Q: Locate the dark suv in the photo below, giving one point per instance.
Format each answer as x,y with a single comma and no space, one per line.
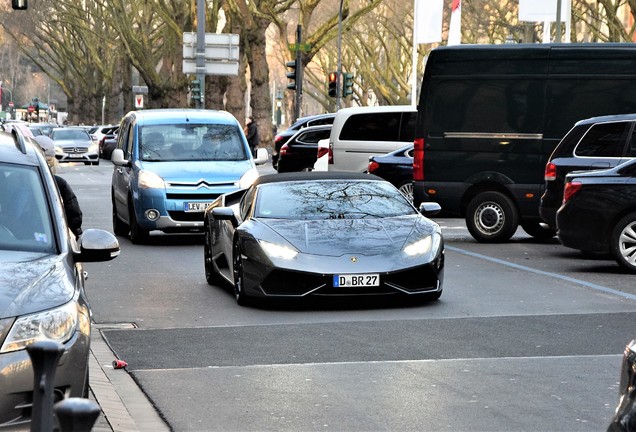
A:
592,144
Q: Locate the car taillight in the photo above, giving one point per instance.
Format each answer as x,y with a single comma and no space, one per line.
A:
284,149
418,159
373,165
322,151
278,138
550,172
570,189
330,153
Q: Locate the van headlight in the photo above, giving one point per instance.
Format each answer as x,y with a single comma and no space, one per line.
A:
150,180
57,324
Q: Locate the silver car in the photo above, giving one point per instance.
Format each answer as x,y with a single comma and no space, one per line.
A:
74,144
41,280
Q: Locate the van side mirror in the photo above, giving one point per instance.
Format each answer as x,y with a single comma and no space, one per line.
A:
19,4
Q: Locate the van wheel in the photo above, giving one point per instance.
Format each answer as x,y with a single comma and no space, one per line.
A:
492,217
539,230
120,228
623,242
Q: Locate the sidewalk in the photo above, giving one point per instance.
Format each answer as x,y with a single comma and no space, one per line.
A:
124,406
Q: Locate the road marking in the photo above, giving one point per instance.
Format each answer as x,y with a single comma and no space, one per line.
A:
544,273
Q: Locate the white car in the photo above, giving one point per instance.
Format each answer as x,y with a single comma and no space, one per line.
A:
74,144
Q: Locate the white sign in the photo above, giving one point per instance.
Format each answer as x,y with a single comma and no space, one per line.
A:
218,46
139,101
542,10
211,67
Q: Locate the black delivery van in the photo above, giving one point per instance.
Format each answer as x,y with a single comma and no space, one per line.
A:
489,116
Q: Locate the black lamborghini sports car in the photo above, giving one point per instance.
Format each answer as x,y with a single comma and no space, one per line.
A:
323,234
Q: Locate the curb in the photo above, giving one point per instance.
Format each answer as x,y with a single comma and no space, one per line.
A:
124,406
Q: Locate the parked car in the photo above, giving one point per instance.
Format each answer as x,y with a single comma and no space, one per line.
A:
165,175
624,419
323,234
397,168
98,132
41,280
45,128
108,142
361,132
300,152
598,213
592,144
74,144
282,137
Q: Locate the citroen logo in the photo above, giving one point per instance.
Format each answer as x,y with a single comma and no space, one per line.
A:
354,259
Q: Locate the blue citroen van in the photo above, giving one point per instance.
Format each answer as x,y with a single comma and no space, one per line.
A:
170,164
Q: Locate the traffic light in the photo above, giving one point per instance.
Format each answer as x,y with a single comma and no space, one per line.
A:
333,84
195,90
292,74
347,84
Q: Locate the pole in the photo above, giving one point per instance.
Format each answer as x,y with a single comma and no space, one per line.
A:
299,71
339,68
200,54
557,39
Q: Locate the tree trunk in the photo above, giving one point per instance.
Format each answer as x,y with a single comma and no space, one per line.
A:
260,98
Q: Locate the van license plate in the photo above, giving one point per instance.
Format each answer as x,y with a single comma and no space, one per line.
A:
195,207
354,280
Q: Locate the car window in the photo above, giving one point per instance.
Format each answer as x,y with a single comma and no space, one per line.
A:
320,121
191,142
407,127
631,148
70,134
313,137
333,199
246,203
25,223
372,127
603,140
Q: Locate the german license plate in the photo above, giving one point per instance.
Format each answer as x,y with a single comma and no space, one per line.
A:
75,155
355,280
194,207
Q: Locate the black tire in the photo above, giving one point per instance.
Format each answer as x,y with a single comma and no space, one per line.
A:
212,277
492,217
623,242
138,235
239,292
120,228
538,230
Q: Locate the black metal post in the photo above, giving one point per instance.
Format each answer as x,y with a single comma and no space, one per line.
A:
44,357
77,414
299,71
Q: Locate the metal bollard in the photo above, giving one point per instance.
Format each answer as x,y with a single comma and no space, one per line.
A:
44,357
77,414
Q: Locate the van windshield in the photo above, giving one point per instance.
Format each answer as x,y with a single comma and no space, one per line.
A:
191,142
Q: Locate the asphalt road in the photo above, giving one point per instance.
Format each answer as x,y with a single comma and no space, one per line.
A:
526,337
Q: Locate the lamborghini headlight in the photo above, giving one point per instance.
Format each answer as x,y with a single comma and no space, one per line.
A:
419,247
274,250
149,180
57,325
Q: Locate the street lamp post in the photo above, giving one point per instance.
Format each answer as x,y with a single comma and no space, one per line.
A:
339,57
